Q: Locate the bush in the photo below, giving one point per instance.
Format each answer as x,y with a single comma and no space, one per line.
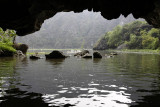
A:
6,40
7,47
135,42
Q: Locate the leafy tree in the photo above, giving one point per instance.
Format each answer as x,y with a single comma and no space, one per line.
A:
135,35
114,38
149,42
135,42
154,32
7,38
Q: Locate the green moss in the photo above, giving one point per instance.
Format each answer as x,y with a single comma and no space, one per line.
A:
7,47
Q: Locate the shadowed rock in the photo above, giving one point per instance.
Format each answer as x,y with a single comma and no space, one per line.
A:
5,53
34,57
19,54
21,47
55,55
97,55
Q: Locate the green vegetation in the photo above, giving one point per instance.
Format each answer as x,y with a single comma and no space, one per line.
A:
7,38
146,51
45,51
6,47
50,49
135,35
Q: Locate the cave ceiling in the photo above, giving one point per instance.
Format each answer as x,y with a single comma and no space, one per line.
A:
27,16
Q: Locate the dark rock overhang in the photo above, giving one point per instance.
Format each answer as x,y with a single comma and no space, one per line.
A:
27,16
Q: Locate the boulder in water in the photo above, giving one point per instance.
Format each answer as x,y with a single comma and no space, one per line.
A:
87,56
55,55
21,47
84,52
34,57
19,54
97,55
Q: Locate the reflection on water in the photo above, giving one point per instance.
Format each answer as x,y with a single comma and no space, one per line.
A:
93,97
55,62
5,74
120,81
18,98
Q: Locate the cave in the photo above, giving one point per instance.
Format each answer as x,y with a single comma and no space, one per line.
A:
27,16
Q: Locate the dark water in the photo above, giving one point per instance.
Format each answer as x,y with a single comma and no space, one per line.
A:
120,81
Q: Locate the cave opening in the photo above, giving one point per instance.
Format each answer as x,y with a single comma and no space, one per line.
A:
69,30
118,78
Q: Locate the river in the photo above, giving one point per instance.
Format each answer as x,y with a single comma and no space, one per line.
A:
125,80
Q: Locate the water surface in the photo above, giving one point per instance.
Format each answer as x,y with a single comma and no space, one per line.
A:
121,81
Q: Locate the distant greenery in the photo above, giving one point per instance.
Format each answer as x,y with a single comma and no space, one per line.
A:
146,51
7,39
135,35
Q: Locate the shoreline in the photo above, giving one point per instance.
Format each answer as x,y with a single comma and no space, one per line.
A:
136,51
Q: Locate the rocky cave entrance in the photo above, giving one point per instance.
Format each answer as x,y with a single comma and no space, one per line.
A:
27,16
69,30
